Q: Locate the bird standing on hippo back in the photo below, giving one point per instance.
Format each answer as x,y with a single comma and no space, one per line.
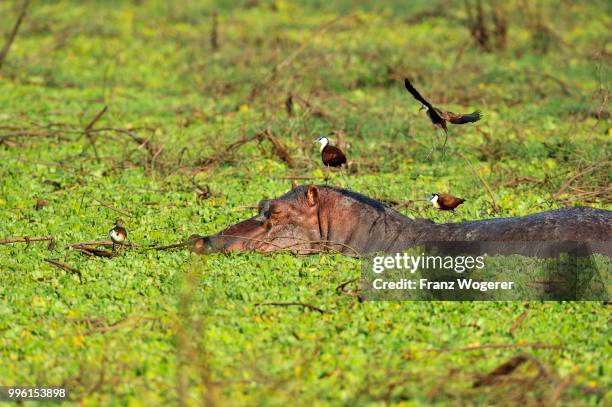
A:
440,117
445,202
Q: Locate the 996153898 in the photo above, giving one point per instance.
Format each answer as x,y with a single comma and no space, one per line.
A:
20,393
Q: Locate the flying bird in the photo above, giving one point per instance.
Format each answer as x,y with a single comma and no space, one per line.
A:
445,202
439,117
118,234
331,156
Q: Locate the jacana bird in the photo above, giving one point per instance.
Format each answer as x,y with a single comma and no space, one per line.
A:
118,234
331,156
445,202
439,117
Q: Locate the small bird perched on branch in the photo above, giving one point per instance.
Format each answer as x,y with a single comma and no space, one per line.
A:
331,156
118,234
445,202
439,117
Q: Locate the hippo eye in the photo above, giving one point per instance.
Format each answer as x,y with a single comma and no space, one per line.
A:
274,210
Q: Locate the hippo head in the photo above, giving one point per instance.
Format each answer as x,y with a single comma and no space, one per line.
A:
291,222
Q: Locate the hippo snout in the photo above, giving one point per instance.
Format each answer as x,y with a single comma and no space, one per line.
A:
201,244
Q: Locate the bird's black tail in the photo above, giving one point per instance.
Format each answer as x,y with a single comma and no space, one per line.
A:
465,118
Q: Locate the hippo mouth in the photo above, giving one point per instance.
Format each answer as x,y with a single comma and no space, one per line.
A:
227,243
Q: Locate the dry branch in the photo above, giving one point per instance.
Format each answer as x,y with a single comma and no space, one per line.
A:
26,239
170,247
316,111
289,304
502,370
202,191
519,320
277,148
484,182
298,177
214,32
111,207
341,287
13,34
91,251
97,117
229,151
65,267
581,173
89,127
532,345
106,243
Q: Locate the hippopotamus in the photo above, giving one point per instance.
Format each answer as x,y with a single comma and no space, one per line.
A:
315,218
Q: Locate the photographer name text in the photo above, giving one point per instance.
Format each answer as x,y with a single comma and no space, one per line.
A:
425,284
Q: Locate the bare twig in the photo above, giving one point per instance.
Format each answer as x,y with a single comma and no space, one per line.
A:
519,320
532,345
288,304
105,243
26,239
508,367
97,117
341,289
504,369
342,286
565,88
11,38
585,171
279,149
484,182
65,267
169,247
229,151
92,251
89,127
298,177
316,111
111,207
214,32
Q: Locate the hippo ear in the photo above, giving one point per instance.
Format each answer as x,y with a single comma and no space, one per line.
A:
312,195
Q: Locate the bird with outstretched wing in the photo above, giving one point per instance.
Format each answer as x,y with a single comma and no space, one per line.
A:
440,117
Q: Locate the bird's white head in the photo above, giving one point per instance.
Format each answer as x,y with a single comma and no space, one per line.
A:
323,141
433,198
